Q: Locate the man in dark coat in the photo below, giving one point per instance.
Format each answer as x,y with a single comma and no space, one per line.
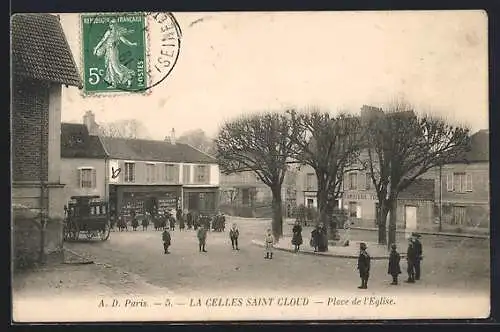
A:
315,238
394,268
202,238
363,265
418,254
411,256
166,240
297,236
189,219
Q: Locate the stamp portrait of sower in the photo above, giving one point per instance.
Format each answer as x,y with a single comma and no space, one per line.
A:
116,73
114,52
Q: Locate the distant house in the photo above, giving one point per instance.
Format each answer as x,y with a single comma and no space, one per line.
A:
145,175
83,162
462,186
41,63
244,194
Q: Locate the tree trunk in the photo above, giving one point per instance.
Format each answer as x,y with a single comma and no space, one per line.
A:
277,224
381,222
322,198
393,205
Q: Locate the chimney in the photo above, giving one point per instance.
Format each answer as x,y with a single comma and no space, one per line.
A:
89,122
172,136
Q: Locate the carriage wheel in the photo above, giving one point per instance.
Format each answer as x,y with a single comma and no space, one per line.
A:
105,232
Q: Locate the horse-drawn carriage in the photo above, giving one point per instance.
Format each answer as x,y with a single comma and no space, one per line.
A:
86,215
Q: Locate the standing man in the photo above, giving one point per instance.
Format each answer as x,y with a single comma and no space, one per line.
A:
166,240
234,233
411,256
363,265
202,238
418,254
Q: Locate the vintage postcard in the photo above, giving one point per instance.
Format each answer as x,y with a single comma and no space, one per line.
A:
230,166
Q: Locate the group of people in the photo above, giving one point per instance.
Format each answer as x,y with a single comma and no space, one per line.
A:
166,219
414,256
201,234
319,237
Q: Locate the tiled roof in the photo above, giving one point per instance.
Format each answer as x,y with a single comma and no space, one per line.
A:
40,50
479,149
149,150
77,143
421,189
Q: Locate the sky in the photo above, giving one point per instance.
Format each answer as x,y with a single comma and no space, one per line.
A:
236,63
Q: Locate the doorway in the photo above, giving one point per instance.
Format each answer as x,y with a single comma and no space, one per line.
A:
410,220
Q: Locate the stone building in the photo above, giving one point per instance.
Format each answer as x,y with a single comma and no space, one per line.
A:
463,187
42,63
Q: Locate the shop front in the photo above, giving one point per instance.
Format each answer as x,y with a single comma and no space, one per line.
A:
201,200
141,199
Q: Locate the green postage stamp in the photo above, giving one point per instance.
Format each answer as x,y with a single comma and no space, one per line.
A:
114,52
127,52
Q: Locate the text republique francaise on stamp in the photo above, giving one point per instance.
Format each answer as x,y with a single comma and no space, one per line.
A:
127,52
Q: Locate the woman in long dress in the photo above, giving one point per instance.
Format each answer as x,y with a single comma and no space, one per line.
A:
116,72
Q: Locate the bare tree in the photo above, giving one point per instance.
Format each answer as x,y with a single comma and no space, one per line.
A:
402,146
329,145
198,139
261,144
129,128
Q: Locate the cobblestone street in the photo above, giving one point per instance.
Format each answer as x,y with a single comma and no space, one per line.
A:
221,269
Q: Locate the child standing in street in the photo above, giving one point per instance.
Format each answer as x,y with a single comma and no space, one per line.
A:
202,238
269,243
394,268
234,233
166,240
363,265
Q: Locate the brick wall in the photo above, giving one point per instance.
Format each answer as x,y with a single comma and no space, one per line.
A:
30,121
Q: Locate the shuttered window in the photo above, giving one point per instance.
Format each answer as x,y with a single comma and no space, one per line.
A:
468,182
129,172
87,178
449,182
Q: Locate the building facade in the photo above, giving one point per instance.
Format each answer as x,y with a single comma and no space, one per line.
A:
244,194
148,175
83,162
38,76
463,187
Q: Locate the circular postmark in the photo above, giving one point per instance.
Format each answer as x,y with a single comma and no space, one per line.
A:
128,52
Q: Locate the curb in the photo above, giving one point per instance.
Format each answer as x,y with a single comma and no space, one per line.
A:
327,254
470,236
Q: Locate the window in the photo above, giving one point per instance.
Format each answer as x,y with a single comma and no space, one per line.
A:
172,173
310,181
353,181
449,182
368,181
462,182
186,174
310,202
353,208
150,173
87,178
202,174
129,172
459,214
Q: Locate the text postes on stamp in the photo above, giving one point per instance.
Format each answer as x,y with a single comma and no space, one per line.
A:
129,52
